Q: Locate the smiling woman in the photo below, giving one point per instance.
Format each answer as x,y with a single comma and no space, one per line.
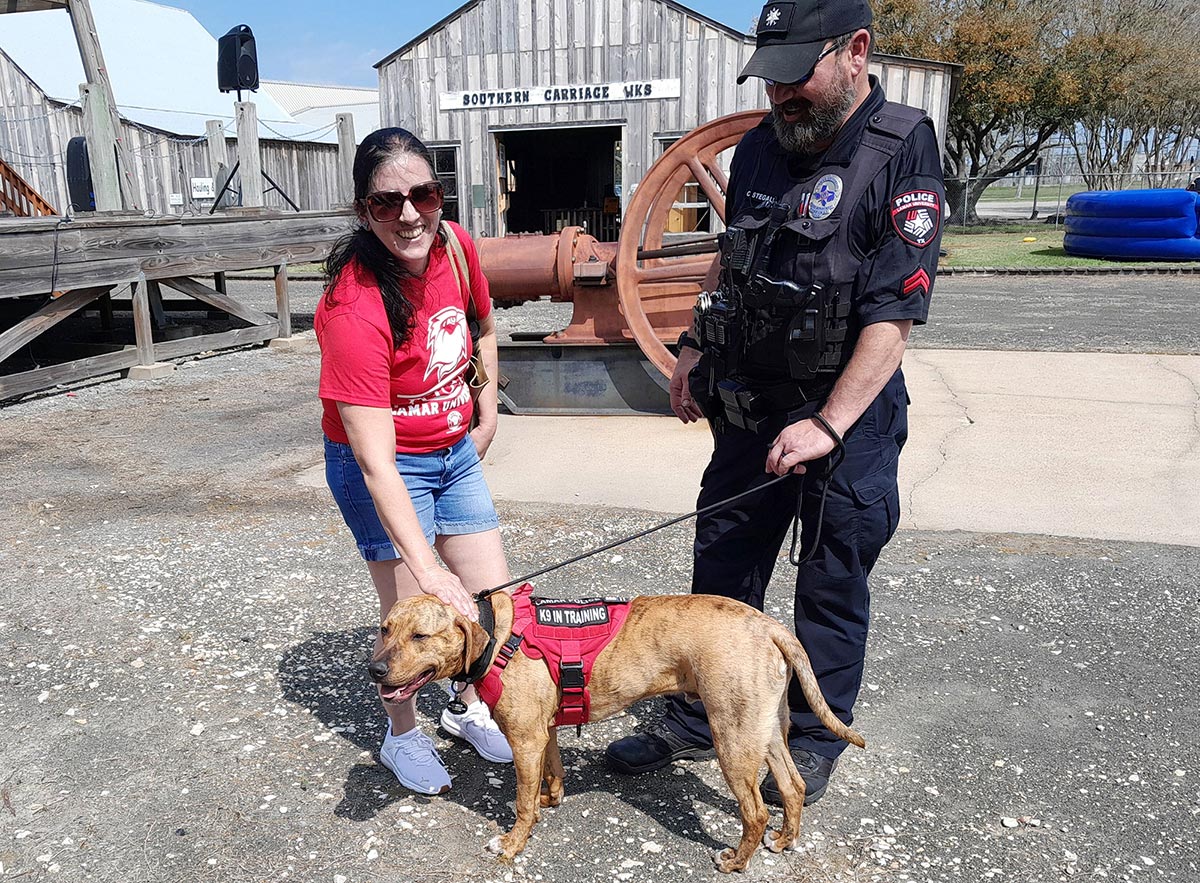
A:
401,463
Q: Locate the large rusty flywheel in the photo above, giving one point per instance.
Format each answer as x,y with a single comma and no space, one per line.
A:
659,274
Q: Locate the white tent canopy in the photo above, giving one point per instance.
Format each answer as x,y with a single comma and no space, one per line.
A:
161,62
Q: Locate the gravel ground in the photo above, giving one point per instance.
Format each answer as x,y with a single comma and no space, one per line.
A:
184,629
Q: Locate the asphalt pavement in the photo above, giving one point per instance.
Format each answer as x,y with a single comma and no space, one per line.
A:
185,624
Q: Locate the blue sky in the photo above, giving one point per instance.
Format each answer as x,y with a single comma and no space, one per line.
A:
303,41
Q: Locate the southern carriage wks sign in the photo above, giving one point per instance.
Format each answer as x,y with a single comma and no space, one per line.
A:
640,90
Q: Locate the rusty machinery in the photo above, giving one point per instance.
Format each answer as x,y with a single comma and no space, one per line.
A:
637,291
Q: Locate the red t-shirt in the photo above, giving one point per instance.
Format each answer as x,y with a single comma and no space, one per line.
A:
422,382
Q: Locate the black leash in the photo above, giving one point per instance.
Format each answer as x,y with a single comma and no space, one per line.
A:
836,456
710,508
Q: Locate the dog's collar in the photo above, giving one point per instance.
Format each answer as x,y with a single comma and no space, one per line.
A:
478,668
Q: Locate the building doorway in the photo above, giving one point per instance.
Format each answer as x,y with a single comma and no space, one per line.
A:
555,178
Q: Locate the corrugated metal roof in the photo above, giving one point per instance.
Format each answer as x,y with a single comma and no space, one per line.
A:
317,105
161,62
297,97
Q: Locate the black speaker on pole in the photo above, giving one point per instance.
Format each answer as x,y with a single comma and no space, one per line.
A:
79,176
237,61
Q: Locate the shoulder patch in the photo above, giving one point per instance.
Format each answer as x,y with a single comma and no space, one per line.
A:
917,215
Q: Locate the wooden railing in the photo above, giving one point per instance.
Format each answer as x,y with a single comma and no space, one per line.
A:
17,197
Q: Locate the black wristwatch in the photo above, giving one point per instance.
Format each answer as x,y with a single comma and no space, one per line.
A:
685,339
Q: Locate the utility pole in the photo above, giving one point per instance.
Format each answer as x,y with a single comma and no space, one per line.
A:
101,98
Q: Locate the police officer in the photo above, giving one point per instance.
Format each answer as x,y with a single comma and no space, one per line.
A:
834,211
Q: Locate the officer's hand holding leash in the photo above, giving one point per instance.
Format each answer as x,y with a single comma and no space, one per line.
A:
800,443
682,403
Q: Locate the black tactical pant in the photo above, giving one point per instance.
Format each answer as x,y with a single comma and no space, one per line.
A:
736,549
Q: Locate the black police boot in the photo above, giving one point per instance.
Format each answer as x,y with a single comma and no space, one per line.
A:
815,770
652,749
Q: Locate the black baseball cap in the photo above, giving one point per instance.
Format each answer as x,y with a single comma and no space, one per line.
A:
792,33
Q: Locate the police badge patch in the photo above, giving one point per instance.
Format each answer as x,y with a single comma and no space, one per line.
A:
825,197
916,216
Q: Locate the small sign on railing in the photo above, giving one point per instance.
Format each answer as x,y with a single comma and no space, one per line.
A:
204,188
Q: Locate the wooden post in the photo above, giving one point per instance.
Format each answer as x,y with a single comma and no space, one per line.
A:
143,334
102,159
249,160
283,307
345,158
218,155
143,330
97,75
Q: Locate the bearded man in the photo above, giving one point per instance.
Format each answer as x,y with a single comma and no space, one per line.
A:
834,207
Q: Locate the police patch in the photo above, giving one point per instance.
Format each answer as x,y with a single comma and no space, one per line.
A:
825,197
916,216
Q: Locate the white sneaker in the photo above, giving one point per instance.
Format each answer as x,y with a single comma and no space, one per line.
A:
414,760
477,727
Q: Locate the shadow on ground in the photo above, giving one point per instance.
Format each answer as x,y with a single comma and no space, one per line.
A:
327,675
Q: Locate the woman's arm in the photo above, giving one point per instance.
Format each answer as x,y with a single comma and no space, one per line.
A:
372,435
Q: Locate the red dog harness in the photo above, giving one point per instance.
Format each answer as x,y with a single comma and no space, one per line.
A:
568,636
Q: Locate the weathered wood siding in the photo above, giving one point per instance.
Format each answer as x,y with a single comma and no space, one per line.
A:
34,133
509,44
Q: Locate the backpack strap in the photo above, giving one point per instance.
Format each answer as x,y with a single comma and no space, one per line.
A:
462,274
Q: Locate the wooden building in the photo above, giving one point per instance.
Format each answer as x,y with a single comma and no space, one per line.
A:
545,114
162,64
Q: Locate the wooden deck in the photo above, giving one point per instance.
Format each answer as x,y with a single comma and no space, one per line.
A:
76,263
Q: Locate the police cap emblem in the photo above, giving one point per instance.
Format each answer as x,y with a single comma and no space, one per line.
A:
775,18
825,197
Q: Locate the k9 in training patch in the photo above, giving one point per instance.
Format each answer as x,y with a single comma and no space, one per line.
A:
572,614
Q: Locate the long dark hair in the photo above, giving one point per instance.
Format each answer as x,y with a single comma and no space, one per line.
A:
363,246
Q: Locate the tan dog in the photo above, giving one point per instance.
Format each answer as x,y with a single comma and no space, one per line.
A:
736,659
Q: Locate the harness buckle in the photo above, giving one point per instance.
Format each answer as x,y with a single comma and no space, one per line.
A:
570,675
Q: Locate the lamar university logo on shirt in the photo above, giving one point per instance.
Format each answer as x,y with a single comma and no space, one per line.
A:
446,348
446,342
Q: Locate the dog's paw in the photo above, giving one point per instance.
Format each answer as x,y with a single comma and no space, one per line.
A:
726,861
501,845
774,841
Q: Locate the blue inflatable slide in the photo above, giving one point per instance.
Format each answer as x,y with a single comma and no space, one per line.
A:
1135,225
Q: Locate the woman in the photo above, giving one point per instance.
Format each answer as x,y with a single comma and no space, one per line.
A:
399,458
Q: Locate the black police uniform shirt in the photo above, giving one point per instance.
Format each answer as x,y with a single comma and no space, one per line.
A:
898,263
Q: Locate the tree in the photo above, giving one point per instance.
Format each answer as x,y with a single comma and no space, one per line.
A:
1149,109
1028,73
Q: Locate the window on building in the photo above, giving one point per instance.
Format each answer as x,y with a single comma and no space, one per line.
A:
445,168
691,212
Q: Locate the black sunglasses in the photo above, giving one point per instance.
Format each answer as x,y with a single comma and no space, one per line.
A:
387,205
808,76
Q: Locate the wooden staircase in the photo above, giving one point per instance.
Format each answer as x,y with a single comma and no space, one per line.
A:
18,198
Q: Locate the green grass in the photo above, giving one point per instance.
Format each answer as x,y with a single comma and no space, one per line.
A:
1050,189
1007,249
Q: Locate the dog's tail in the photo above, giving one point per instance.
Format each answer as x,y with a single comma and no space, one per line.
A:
793,652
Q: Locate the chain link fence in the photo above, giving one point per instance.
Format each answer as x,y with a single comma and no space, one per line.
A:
1042,198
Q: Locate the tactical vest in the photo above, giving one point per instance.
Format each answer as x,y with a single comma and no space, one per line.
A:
568,636
812,249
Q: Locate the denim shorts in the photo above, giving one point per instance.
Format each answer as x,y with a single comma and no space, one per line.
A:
446,486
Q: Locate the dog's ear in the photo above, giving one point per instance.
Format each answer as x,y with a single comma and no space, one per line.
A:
475,639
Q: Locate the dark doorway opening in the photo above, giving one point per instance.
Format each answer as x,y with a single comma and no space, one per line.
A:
555,178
